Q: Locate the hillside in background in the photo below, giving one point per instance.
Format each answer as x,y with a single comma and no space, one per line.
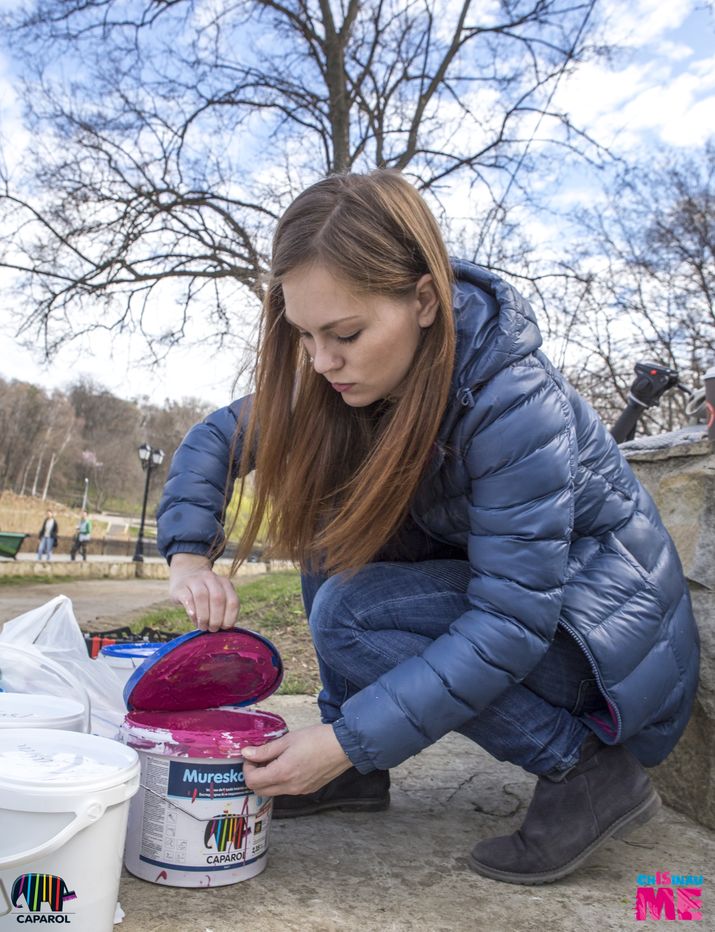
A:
56,444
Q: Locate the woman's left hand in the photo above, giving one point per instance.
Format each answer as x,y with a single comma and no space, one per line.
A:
300,762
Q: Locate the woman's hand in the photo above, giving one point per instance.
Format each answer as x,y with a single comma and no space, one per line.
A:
300,762
210,600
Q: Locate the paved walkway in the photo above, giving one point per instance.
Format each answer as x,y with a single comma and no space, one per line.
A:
96,602
405,870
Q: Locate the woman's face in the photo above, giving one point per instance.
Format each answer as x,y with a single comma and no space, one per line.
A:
364,345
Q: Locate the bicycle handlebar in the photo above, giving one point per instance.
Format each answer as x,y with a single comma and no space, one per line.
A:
650,384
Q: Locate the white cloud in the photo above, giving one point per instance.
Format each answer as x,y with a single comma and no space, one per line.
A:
663,92
672,51
640,22
687,101
190,371
13,135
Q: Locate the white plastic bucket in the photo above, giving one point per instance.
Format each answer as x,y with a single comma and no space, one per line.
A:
22,667
20,710
64,800
125,658
194,822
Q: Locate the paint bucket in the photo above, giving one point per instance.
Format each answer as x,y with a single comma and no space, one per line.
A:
20,710
124,659
22,667
64,800
194,822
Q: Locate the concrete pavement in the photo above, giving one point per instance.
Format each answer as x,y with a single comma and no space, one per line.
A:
96,602
404,870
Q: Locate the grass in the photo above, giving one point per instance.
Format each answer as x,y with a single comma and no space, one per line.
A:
24,514
34,580
272,606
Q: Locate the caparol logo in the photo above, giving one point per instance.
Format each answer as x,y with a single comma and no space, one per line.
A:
33,891
225,831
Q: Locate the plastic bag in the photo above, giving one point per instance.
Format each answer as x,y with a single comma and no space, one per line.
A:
44,651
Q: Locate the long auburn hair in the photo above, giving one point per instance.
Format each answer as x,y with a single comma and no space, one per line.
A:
333,483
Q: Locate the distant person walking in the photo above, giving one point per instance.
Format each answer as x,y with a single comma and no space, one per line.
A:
48,537
82,537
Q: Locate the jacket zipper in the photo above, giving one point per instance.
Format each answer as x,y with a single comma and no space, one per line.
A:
604,692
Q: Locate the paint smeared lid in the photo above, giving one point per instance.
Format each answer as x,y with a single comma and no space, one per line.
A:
203,670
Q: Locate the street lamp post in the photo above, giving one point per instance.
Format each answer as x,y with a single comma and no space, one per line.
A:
150,459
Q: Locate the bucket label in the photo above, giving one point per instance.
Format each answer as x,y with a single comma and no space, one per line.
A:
197,817
43,896
201,781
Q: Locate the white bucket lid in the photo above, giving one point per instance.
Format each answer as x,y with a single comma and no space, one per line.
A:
21,710
49,761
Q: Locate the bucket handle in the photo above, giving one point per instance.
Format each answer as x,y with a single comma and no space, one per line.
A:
89,813
5,904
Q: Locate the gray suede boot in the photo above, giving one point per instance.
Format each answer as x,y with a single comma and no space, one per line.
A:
606,794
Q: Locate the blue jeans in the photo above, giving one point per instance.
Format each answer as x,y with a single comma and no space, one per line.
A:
365,625
45,548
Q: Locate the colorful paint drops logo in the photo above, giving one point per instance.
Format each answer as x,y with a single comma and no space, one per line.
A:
33,891
226,831
664,895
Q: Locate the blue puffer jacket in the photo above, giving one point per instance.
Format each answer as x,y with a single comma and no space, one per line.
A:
526,480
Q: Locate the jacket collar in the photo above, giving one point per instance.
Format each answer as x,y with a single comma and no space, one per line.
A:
495,326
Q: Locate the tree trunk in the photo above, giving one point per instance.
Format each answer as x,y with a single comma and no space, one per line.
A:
37,475
53,460
24,476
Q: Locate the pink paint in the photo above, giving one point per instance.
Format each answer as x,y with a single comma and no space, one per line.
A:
213,733
204,670
185,708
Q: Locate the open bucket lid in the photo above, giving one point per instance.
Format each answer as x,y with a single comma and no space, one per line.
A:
204,670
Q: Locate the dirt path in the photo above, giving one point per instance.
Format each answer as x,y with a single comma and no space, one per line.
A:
97,603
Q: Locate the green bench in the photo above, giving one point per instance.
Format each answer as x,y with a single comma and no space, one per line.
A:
10,544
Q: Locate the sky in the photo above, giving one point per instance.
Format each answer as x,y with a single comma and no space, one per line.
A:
659,90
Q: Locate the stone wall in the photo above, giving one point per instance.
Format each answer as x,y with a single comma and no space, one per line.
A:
681,479
120,569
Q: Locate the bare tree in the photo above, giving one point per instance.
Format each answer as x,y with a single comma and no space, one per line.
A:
23,410
62,427
159,167
109,441
646,275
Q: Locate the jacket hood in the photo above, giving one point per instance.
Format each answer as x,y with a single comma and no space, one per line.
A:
495,325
